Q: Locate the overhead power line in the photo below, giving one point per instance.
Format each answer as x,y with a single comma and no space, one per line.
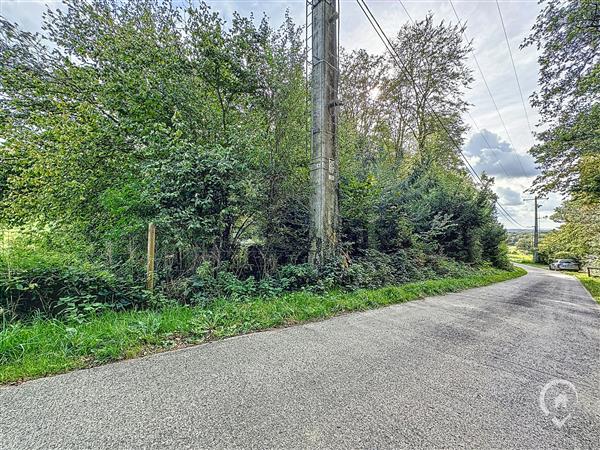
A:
389,46
489,91
501,209
488,144
514,68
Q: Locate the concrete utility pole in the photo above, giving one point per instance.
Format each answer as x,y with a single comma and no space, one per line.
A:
324,165
536,228
535,231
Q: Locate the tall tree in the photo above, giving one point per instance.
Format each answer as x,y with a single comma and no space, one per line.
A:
567,35
99,110
431,78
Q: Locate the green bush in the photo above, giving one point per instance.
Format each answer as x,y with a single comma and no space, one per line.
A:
373,270
446,267
495,249
210,283
293,277
39,277
58,290
566,255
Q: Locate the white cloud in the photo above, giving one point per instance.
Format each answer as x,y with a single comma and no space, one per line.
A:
489,154
509,197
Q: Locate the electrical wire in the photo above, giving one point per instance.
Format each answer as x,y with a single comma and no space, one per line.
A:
502,209
387,43
493,149
489,91
514,68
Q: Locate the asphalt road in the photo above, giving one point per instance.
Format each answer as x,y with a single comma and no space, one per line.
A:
458,370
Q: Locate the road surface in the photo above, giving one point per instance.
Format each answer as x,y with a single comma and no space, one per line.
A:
465,369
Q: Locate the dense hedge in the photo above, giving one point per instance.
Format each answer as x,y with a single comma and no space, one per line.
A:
76,291
371,270
204,134
54,290
41,276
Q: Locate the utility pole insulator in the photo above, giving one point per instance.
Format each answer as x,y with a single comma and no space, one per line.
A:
324,168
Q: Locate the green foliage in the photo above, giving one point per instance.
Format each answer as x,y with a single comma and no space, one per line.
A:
438,212
493,242
55,347
525,243
567,36
38,275
373,270
126,113
579,236
565,255
403,186
162,116
80,308
295,277
210,284
199,194
70,290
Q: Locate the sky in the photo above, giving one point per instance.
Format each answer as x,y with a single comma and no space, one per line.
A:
507,160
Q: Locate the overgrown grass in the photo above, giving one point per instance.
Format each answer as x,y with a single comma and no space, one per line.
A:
516,255
46,347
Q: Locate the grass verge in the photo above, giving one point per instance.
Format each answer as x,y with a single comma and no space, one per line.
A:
517,256
529,262
46,347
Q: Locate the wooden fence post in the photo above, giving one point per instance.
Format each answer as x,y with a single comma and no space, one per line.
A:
589,272
151,248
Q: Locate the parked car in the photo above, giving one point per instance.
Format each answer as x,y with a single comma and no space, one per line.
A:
564,264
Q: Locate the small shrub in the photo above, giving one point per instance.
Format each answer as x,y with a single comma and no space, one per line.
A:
373,270
210,283
79,308
67,290
293,277
39,277
446,267
270,287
